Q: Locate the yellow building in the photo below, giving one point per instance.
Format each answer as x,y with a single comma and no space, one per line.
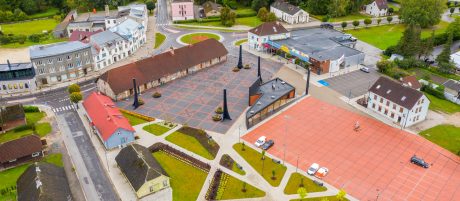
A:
143,172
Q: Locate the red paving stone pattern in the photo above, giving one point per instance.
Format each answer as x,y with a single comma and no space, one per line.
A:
371,162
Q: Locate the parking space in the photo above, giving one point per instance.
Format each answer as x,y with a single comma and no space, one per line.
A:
353,84
193,99
371,163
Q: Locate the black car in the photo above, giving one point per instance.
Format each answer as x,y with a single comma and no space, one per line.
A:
268,144
418,161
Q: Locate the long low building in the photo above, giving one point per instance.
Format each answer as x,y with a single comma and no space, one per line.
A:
159,69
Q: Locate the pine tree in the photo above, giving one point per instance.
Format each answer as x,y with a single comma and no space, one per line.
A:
410,43
444,57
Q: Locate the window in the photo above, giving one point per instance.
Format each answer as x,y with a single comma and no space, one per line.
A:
59,59
423,100
50,61
388,103
151,188
400,109
386,111
87,61
26,85
392,115
394,107
51,70
4,87
36,154
381,100
373,105
70,65
375,97
69,57
85,53
380,108
77,55
61,68
165,183
38,63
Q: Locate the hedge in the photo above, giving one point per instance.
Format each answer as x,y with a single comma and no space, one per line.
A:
140,116
180,155
29,109
202,138
437,92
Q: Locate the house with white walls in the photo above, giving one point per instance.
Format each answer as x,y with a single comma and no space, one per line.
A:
377,8
289,13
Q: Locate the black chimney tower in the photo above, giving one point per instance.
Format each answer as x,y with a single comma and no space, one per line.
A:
136,98
308,81
259,75
240,59
226,115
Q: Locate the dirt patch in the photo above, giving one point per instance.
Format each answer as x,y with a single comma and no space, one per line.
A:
436,118
199,38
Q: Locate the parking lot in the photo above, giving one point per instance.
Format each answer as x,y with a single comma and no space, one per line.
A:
193,99
353,84
371,163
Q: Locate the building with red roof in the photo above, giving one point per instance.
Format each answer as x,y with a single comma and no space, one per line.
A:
82,36
107,121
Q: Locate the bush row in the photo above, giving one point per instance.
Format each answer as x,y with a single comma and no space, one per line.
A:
21,39
213,18
181,155
25,127
140,116
437,92
226,161
28,109
211,194
202,138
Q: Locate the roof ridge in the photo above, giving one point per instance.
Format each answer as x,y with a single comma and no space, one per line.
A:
145,162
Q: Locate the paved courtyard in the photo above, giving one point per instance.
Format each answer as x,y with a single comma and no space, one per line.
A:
353,84
370,164
193,99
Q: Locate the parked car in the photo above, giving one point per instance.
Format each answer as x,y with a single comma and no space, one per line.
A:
312,169
322,172
268,144
260,141
418,161
365,69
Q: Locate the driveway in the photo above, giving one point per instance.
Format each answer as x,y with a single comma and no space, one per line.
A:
353,84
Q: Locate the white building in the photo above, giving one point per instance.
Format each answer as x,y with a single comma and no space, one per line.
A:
108,48
132,32
264,32
289,13
377,8
17,78
402,105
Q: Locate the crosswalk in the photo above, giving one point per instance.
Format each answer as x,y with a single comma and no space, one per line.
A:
64,108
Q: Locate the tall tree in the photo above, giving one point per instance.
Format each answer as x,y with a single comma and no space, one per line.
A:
227,17
427,46
338,8
409,44
318,7
257,4
425,13
444,56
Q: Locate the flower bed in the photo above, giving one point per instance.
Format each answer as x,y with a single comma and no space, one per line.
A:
140,116
202,138
180,155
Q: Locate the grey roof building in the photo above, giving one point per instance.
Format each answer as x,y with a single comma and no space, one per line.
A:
105,37
17,77
43,182
286,7
43,51
396,92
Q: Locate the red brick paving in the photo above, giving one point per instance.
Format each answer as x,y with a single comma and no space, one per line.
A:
376,157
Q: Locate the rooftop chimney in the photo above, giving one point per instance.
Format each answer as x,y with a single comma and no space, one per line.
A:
172,50
107,10
9,64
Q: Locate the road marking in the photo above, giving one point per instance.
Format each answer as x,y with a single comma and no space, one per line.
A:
22,100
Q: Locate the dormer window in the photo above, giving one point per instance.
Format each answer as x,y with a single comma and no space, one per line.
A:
403,98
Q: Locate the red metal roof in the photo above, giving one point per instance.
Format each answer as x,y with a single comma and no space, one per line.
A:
82,36
104,115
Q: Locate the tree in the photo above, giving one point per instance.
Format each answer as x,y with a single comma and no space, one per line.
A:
73,88
150,5
379,20
367,21
385,66
273,175
318,7
391,11
425,13
444,56
389,19
257,4
341,194
446,67
57,18
271,17
451,10
227,17
302,193
244,187
409,45
262,14
355,24
263,155
454,28
242,147
427,46
76,97
326,18
344,24
338,8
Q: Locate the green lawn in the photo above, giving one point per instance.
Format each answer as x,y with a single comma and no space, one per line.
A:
48,13
245,11
446,136
186,180
440,105
9,177
197,37
29,43
238,43
133,120
295,180
263,167
351,17
389,35
156,129
233,189
41,129
237,170
328,198
159,39
190,143
30,27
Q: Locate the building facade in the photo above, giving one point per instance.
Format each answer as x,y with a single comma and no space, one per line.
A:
269,31
289,13
377,8
60,62
19,151
11,116
112,128
108,48
17,78
400,104
162,68
182,10
133,32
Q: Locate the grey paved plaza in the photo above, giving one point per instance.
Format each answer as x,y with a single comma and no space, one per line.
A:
193,99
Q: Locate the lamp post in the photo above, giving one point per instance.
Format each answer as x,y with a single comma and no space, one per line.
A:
239,133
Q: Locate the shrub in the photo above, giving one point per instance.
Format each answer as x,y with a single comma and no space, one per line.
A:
437,92
385,66
219,110
73,88
410,63
235,69
23,128
29,108
141,102
35,38
156,95
217,117
247,66
390,50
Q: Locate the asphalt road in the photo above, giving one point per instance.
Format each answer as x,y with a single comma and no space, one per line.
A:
353,84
